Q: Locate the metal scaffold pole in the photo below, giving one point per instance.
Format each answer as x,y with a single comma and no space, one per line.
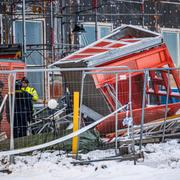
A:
142,9
24,30
143,106
52,32
96,19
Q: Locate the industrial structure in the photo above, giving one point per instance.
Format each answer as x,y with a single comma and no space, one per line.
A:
50,23
120,57
131,48
37,33
40,32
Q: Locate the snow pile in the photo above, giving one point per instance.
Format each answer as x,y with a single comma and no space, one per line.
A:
162,161
163,155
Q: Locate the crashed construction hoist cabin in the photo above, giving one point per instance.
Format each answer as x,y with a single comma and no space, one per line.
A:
137,49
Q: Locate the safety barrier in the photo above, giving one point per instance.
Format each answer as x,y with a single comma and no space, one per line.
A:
115,104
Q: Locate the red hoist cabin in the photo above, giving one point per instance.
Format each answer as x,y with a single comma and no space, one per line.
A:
137,49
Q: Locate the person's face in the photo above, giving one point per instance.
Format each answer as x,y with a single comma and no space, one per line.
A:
24,84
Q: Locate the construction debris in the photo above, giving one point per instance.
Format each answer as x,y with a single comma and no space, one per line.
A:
130,49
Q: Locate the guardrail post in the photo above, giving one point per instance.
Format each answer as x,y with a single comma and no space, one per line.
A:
143,106
75,123
116,123
11,89
166,110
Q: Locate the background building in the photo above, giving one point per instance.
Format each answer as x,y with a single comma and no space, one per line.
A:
48,30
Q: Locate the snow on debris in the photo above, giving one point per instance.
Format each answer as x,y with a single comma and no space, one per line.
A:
163,155
162,161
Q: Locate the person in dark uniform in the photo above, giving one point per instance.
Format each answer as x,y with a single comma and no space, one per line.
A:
23,110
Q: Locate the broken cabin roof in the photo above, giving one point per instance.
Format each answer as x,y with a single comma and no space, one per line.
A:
123,41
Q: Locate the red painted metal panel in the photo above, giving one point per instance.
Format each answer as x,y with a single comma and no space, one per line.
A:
147,59
151,113
123,92
129,40
103,43
117,45
152,58
94,50
8,56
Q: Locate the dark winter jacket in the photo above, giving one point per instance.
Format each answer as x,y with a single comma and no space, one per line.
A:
23,110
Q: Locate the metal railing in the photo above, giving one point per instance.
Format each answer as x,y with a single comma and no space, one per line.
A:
127,100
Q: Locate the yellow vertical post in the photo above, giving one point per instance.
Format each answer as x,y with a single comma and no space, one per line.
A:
75,122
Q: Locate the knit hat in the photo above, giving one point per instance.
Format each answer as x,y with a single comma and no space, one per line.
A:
25,79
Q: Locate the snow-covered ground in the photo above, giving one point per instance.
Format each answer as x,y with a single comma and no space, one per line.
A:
162,162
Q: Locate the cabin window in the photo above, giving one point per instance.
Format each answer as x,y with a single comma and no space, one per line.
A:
172,40
103,29
34,58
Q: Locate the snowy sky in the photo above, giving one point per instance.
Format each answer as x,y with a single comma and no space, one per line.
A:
162,162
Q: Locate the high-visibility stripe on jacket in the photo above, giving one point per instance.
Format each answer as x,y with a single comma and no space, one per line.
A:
32,92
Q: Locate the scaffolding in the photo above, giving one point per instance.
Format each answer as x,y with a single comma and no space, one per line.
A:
59,17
